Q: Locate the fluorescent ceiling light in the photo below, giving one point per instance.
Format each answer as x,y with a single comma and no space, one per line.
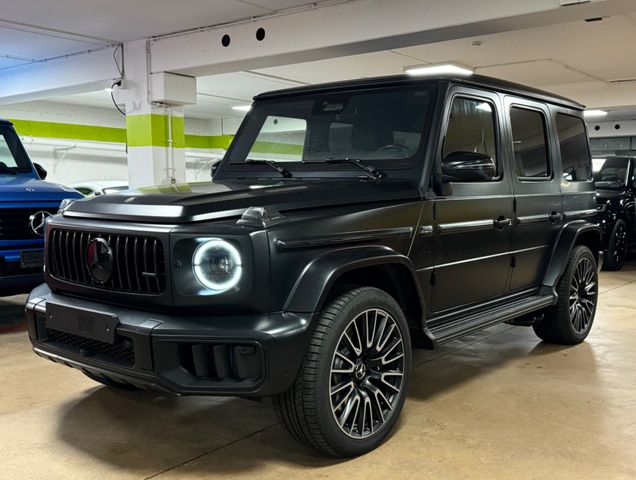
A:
242,108
594,113
439,69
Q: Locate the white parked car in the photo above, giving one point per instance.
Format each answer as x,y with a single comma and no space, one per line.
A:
101,187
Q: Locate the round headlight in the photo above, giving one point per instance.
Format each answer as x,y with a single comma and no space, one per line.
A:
217,265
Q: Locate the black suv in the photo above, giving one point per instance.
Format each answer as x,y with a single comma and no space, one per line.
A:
346,224
615,196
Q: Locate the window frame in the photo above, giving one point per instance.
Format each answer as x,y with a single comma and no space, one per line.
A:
546,137
474,95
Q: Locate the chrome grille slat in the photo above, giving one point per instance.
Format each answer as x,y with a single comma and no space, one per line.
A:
132,258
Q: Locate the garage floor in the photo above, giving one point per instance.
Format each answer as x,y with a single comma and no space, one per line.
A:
495,405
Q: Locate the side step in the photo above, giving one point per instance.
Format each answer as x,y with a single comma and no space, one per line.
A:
478,321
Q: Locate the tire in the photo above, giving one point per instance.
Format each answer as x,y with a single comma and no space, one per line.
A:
111,383
328,388
569,322
617,247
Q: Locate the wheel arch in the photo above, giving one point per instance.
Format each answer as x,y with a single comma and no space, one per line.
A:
374,266
578,232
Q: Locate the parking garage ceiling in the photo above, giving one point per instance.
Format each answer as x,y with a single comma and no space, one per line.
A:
567,58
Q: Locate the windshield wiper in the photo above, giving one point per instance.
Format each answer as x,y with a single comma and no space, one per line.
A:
370,170
282,170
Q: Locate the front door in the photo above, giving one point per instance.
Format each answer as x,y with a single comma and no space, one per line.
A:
473,225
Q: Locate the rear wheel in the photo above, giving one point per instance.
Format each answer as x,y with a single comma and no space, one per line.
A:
569,322
617,247
352,385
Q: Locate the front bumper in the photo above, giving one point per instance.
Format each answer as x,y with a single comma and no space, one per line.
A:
250,356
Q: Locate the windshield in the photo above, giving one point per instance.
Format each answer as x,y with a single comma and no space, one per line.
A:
613,171
13,158
384,125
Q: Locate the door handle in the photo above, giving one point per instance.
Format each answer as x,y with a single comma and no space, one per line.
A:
502,222
555,217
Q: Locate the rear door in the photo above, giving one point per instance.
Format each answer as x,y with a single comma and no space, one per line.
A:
472,229
538,215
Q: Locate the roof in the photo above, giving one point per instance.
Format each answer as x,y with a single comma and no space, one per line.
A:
472,80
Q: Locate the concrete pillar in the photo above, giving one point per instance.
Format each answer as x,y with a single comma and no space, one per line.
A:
155,130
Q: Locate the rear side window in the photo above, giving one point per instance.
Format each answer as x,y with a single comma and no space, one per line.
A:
471,128
529,141
575,154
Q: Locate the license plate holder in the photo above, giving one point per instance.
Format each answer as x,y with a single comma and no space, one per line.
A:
31,258
87,323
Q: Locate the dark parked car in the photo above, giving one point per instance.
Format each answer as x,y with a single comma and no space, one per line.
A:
346,224
615,196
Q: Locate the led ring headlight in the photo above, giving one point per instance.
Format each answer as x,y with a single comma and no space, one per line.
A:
217,265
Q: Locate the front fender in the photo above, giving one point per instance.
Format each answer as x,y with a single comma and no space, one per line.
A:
573,233
317,278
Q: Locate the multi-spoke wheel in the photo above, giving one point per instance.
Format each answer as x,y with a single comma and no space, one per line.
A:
366,373
570,320
352,384
616,247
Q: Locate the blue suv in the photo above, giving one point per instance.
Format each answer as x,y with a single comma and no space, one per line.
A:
26,200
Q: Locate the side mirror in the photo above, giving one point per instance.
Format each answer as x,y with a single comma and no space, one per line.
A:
215,166
468,167
39,169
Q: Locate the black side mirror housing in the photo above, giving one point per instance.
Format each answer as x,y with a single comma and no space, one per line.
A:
215,167
40,170
468,167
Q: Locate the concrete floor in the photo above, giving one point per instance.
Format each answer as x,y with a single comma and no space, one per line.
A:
497,405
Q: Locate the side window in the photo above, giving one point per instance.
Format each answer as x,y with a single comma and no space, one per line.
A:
471,128
529,142
575,154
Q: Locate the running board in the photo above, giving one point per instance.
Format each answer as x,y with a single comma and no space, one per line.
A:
478,321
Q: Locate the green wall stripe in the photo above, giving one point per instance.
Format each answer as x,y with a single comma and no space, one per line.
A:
151,130
36,128
273,147
95,133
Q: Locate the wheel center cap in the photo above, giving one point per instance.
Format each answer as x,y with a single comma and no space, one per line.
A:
359,371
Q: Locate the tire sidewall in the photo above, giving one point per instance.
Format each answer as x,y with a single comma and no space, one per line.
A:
364,299
579,253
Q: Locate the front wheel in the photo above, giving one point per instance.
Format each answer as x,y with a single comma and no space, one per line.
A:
569,322
352,384
617,247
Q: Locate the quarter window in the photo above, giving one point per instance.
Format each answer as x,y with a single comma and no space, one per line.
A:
575,154
471,128
529,141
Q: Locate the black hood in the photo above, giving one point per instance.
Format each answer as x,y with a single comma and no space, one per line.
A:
192,202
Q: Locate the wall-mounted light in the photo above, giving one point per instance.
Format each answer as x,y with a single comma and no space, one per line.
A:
242,108
439,69
594,113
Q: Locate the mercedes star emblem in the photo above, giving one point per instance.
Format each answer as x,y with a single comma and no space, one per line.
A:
99,260
37,221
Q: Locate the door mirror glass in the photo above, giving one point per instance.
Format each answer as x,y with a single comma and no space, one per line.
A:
42,173
468,167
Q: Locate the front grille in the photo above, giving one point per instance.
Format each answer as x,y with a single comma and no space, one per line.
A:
15,223
121,353
138,262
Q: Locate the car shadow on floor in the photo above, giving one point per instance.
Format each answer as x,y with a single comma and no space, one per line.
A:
149,432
